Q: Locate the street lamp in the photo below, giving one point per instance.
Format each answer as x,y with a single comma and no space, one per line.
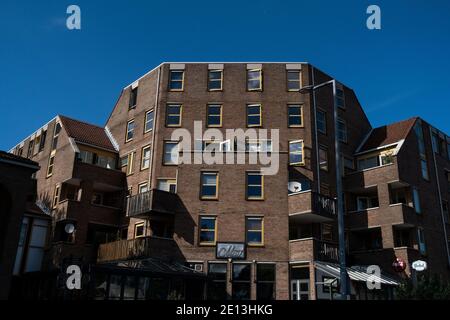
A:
339,190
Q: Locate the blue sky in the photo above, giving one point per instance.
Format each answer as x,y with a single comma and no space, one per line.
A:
397,72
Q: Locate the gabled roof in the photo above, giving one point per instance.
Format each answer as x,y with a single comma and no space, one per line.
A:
86,133
387,135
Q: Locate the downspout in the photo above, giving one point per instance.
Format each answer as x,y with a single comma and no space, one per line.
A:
440,197
155,126
316,138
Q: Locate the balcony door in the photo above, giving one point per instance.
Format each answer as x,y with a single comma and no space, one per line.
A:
300,289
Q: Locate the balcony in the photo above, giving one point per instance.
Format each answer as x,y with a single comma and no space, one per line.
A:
311,249
151,202
311,207
136,248
385,257
394,214
372,176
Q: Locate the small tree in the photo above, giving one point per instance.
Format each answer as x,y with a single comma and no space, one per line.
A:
429,287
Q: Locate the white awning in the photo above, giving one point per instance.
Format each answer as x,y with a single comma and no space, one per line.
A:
355,273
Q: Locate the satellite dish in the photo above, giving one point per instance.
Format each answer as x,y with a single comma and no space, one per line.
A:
69,228
294,186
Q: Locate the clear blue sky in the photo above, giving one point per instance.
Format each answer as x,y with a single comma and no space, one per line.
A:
400,71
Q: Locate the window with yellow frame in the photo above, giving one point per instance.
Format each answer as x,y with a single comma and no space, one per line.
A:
139,230
255,185
207,230
214,118
174,114
176,80
215,80
56,196
51,164
254,115
254,227
254,80
296,154
209,185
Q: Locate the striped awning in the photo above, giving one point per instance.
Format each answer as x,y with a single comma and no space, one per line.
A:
355,273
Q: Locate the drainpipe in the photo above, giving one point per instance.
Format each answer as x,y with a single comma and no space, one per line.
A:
316,139
340,203
155,126
440,197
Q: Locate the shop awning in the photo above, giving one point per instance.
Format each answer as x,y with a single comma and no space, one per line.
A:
356,273
151,265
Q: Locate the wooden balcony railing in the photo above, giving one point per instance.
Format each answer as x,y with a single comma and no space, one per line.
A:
323,204
152,201
135,248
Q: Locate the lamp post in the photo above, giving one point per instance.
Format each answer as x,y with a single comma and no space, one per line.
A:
339,190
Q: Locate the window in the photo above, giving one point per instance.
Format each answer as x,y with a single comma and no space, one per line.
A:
42,142
254,231
255,186
168,185
416,200
252,145
241,281
327,232
349,163
20,151
321,122
254,80
364,203
214,118
265,281
421,241
209,187
448,150
30,148
323,158
424,169
55,136
97,198
176,80
342,130
126,163
143,187
296,152
170,153
421,145
294,80
139,230
133,98
208,230
217,284
435,142
130,130
174,114
295,115
149,117
367,163
340,98
215,79
445,210
254,118
56,196
145,157
37,143
51,163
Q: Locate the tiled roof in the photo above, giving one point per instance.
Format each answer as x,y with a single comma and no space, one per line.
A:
389,134
12,157
86,133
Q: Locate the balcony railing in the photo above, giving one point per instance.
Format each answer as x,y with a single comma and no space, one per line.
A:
323,204
152,201
308,204
135,248
311,249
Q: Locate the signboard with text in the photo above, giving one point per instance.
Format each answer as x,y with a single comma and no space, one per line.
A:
230,250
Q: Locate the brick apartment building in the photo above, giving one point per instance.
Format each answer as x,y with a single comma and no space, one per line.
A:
120,196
